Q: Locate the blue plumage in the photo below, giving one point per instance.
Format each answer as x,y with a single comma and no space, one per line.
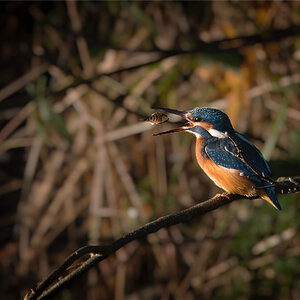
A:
225,152
252,154
213,116
222,146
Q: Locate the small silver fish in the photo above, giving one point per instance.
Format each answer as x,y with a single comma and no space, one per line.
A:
157,118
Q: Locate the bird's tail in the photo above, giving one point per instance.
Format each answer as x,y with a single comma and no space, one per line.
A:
269,195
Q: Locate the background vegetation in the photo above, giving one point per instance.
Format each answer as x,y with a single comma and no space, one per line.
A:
78,166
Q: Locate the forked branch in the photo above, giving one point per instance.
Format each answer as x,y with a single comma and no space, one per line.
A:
67,271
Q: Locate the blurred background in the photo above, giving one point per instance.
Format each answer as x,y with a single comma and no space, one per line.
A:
79,166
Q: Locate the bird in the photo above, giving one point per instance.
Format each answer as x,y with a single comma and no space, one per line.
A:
226,156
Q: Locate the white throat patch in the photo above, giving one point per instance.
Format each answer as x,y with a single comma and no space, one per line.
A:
217,133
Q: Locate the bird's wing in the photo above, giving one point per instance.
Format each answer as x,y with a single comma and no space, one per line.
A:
252,154
227,153
233,152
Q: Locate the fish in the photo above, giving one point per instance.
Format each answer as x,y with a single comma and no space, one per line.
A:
157,118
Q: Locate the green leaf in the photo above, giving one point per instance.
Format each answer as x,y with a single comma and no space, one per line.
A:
231,59
292,87
51,118
141,18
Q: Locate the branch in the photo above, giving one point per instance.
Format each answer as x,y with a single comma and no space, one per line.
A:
220,46
58,279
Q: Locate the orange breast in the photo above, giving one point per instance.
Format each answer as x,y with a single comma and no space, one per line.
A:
227,179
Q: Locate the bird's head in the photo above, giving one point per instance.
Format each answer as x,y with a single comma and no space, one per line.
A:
213,120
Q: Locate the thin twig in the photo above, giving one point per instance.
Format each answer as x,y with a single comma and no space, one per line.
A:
98,253
239,41
16,121
220,46
22,81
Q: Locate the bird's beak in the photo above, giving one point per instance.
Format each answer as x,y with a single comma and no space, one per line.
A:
182,114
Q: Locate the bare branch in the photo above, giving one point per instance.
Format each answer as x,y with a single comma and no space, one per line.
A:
97,253
219,46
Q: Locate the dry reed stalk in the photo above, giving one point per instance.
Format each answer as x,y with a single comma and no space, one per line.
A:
162,182
273,241
14,143
265,88
11,186
220,268
127,180
21,116
19,83
80,206
152,170
31,166
291,113
97,188
49,217
127,131
72,97
224,279
258,262
153,75
120,276
158,250
198,268
111,196
30,170
41,189
80,40
29,209
9,113
120,282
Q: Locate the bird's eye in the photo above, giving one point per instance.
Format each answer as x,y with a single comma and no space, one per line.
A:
197,119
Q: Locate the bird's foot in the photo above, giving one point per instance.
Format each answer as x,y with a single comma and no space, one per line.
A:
224,195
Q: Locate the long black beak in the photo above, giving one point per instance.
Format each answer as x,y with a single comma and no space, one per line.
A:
175,112
171,131
171,111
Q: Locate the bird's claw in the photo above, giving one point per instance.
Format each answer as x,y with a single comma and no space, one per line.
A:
224,195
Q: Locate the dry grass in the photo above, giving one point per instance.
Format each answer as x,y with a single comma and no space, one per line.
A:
89,170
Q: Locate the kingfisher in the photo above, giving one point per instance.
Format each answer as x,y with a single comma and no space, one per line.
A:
227,157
